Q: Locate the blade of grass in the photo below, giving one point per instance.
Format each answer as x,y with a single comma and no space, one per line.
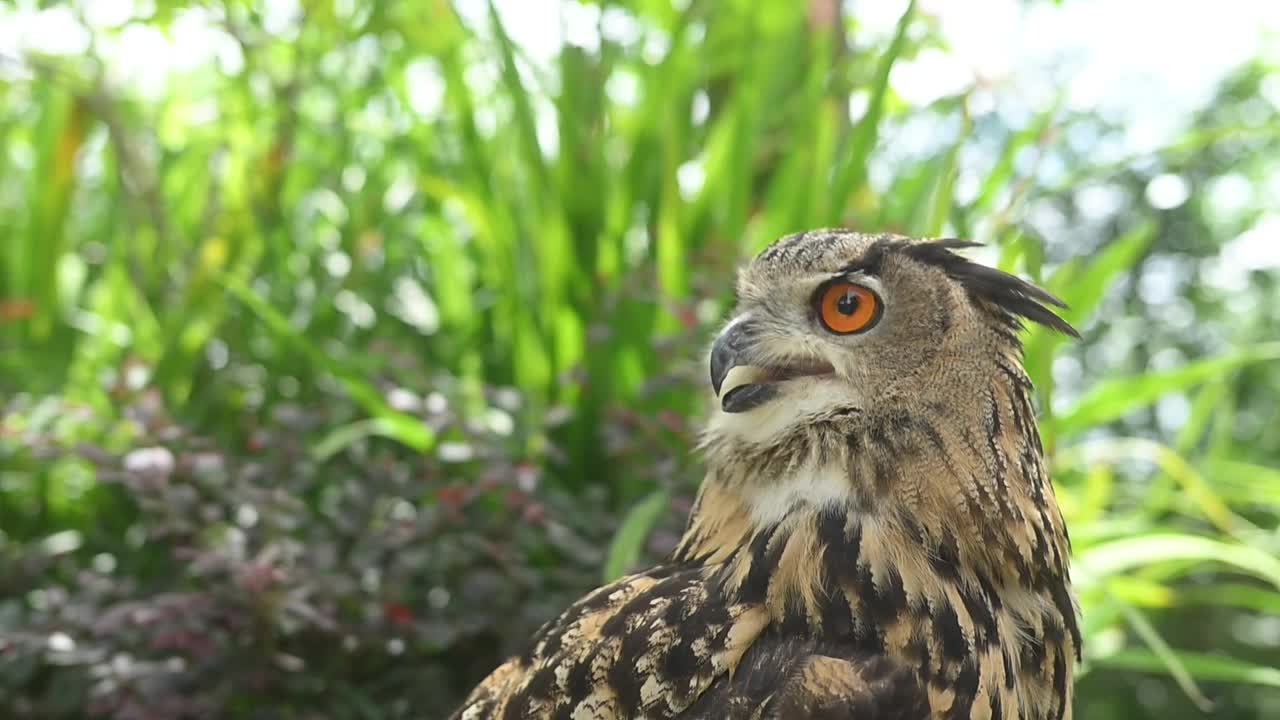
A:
627,543
851,167
1205,667
1001,174
1116,450
1168,656
1249,483
1140,592
1202,411
1114,398
1227,594
402,427
1088,287
525,126
1082,290
942,195
63,129
1095,563
342,437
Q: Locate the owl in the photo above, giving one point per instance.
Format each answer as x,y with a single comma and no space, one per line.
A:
876,536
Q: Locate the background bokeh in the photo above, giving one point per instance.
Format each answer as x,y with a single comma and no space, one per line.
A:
343,343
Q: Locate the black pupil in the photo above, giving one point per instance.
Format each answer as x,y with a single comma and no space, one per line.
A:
848,303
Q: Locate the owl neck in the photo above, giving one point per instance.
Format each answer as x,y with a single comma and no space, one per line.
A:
925,533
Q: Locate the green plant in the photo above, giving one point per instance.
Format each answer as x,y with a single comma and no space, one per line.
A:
365,209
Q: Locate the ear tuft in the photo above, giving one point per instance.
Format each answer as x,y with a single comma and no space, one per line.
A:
1007,292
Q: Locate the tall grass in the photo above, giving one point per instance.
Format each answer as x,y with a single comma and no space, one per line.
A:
377,182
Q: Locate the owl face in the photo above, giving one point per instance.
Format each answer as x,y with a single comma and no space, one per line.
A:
832,322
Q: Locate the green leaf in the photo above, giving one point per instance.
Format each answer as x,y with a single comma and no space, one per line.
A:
1141,592
1002,172
942,196
1171,659
629,540
1109,558
525,125
1116,397
1082,290
1247,482
1198,665
393,428
1089,286
851,169
1224,594
1175,466
402,427
1203,406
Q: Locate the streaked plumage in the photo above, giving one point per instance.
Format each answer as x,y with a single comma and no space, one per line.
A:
876,537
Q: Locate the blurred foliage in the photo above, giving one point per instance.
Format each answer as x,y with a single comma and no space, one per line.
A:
333,366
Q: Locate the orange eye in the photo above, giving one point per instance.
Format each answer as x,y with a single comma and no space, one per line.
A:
847,308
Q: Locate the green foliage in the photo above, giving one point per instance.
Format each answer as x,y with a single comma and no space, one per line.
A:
628,542
475,265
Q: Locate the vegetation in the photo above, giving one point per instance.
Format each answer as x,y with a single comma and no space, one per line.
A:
338,361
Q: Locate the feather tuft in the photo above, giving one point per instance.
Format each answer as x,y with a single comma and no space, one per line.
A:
1003,290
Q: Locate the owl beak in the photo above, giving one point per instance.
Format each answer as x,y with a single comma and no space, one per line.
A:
731,349
728,352
737,346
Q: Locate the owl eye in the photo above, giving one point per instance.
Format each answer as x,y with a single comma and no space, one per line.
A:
846,308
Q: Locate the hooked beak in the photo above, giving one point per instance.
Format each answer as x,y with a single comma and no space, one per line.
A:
728,352
736,346
731,349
